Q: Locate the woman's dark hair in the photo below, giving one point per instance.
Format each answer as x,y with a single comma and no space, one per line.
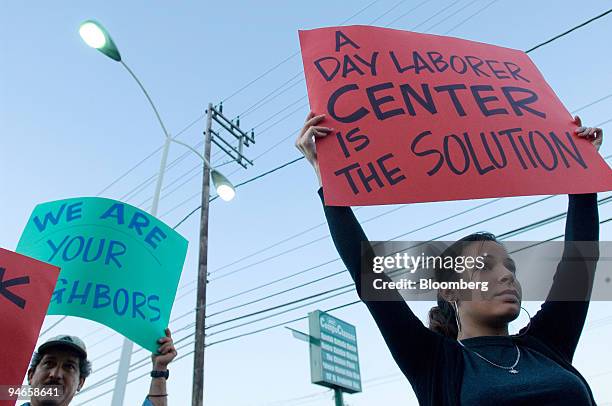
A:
84,364
442,317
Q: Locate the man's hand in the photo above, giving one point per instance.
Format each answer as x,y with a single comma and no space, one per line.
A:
165,353
593,134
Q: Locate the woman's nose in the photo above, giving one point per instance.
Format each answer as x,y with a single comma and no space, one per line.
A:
507,276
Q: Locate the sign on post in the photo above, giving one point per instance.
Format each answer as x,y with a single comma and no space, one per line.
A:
25,290
421,117
120,265
334,360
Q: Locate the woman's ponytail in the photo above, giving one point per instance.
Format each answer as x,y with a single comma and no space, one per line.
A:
442,319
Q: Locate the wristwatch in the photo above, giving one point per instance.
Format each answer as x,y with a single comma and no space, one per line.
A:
160,374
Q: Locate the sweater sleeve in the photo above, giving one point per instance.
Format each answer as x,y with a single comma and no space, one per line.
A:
559,321
412,345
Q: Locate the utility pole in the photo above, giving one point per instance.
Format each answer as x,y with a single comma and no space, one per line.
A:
211,136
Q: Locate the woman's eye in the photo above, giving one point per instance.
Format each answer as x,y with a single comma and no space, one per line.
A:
487,266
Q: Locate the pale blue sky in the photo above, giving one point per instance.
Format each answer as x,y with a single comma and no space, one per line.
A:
72,121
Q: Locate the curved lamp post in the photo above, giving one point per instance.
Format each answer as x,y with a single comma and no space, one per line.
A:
94,35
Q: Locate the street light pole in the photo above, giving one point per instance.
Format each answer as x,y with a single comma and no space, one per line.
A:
128,345
97,37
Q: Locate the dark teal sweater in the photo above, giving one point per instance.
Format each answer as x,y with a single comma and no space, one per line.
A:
435,364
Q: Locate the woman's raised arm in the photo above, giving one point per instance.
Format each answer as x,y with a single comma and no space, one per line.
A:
412,345
568,301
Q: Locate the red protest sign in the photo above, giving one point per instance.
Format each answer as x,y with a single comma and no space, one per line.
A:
26,286
421,117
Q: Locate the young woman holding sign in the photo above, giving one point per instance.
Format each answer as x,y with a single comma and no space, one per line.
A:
467,356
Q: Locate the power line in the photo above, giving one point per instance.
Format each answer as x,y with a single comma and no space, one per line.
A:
122,176
569,31
252,264
306,104
394,238
450,15
502,236
149,180
399,3
277,91
289,58
201,116
109,364
276,293
453,216
408,12
304,97
376,217
264,174
471,16
106,380
244,183
288,163
300,158
267,98
428,19
527,51
505,235
531,49
348,289
302,318
135,365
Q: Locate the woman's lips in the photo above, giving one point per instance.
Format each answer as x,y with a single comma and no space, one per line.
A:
508,295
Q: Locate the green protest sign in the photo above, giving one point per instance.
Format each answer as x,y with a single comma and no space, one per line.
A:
119,265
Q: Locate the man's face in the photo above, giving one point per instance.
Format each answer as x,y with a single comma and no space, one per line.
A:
58,366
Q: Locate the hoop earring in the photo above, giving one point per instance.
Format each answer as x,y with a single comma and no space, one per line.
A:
528,324
456,308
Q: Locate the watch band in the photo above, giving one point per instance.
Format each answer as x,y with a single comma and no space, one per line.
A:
160,374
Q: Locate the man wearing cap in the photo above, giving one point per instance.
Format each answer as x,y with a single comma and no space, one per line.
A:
62,361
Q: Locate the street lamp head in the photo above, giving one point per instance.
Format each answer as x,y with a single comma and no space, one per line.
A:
94,35
224,187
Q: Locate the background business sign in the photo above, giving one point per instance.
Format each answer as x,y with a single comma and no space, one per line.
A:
334,361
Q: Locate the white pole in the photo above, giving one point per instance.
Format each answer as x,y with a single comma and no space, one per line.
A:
160,176
122,373
128,345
